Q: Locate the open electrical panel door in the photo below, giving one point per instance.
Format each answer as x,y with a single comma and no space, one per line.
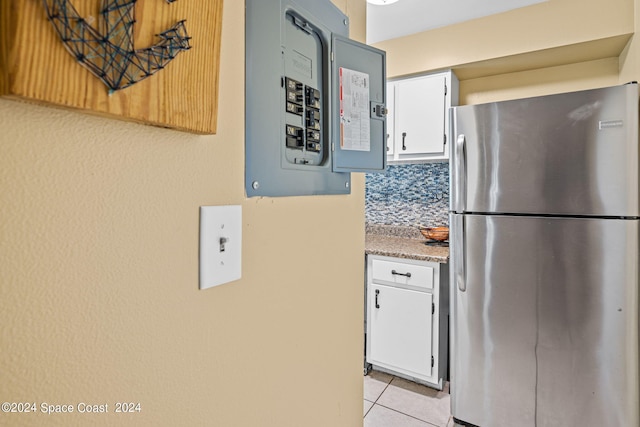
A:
359,84
315,100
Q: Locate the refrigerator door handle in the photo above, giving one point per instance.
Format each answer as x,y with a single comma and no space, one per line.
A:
459,250
460,179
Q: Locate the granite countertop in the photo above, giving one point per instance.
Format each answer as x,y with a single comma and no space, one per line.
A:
402,242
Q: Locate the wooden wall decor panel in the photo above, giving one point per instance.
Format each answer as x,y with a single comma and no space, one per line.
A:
36,66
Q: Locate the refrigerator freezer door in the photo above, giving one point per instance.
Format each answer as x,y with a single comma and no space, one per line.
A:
546,331
566,154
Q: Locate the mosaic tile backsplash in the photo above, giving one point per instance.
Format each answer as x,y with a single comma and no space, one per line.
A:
408,195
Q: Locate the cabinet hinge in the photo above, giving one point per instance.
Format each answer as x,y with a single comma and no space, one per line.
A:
432,361
444,139
433,308
332,61
445,89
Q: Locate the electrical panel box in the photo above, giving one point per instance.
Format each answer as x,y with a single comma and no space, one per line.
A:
315,100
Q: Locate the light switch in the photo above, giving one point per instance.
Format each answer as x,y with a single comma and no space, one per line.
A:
220,245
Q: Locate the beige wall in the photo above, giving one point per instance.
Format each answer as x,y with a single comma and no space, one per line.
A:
99,248
550,47
630,57
99,299
540,81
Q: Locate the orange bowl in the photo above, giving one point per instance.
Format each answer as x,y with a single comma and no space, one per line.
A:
436,233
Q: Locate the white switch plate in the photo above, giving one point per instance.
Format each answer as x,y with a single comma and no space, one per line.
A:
220,245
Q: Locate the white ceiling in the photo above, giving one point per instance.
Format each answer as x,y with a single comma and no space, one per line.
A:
414,16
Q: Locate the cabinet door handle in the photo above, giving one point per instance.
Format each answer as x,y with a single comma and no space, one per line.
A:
395,273
404,135
377,293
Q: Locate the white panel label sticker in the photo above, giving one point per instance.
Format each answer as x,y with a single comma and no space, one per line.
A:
355,126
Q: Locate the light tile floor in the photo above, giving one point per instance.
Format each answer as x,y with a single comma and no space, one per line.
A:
390,401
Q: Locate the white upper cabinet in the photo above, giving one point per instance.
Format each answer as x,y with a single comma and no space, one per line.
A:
418,118
391,108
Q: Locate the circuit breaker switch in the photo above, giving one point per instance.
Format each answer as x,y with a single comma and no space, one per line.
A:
313,119
314,146
294,131
295,92
294,97
295,137
295,142
313,97
294,85
294,109
313,135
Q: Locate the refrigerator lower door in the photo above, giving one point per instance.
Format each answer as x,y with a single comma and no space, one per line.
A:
545,321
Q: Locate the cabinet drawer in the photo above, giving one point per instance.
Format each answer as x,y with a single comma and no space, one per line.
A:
402,274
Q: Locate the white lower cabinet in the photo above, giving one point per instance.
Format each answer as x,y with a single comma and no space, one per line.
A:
406,326
401,327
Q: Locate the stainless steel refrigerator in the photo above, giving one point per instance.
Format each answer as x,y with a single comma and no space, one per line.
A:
544,261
